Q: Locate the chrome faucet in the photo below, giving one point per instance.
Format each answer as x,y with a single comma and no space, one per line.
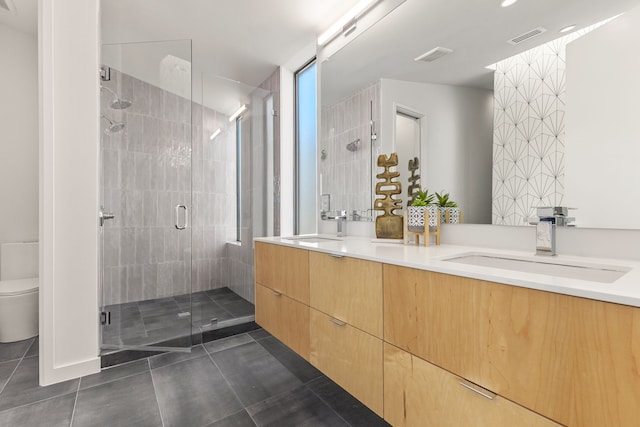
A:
548,219
341,219
546,236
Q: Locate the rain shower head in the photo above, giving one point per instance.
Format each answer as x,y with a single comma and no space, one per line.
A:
114,127
117,103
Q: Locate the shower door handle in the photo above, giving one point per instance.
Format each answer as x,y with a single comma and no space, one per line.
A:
103,216
186,217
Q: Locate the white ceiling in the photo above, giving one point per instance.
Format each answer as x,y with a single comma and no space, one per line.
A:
477,31
245,40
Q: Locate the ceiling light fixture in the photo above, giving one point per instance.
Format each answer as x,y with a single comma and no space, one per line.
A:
507,3
214,134
351,15
567,28
239,111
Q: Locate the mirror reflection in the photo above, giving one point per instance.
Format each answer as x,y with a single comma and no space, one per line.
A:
551,123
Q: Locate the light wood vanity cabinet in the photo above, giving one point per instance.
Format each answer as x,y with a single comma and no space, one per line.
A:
283,269
549,358
349,356
347,289
513,341
282,294
418,393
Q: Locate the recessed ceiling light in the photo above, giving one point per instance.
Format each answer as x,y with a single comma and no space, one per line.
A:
567,28
507,3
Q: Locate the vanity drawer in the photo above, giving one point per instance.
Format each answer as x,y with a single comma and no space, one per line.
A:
417,393
511,340
283,269
284,318
348,289
350,357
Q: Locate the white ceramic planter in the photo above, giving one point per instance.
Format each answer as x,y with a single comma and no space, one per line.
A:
415,217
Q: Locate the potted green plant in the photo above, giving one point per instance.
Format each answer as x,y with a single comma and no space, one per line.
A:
449,210
423,202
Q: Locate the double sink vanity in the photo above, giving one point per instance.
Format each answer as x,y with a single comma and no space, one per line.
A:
457,336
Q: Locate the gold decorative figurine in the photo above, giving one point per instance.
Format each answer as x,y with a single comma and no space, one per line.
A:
414,180
388,225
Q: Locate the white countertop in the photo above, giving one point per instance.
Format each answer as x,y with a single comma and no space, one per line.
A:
625,290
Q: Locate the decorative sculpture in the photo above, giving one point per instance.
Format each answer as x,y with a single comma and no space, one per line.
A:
414,181
388,225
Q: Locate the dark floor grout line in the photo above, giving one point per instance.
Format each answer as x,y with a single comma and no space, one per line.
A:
155,392
228,383
75,403
16,368
177,361
36,401
116,379
328,405
228,338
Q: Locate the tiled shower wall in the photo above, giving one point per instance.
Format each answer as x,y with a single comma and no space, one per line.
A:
147,170
345,174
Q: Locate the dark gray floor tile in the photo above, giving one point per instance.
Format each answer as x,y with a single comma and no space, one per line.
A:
253,373
237,307
158,306
259,334
229,342
6,369
241,419
34,349
175,357
193,393
294,363
349,408
14,350
23,386
207,311
164,320
297,408
55,412
194,298
127,402
215,293
115,373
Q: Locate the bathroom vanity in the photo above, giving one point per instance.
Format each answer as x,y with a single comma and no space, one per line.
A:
423,340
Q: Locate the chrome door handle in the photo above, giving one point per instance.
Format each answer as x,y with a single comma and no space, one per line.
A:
186,217
477,389
103,216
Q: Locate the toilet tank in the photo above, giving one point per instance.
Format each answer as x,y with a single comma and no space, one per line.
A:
18,260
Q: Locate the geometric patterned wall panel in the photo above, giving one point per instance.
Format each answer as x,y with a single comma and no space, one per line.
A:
529,131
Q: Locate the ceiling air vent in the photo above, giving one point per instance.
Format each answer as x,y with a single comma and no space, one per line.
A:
526,36
433,54
8,5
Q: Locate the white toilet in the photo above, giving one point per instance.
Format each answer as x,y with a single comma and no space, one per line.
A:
18,291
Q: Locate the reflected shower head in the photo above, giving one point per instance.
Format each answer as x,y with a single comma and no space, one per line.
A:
114,127
117,103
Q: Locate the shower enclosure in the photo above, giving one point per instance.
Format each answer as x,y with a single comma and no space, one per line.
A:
183,194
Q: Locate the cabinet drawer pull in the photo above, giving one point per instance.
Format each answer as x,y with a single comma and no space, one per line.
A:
336,256
337,322
477,389
276,293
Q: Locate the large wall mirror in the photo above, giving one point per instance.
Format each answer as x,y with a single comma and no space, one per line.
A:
516,115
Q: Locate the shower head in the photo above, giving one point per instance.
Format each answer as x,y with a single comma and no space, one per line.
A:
117,103
114,127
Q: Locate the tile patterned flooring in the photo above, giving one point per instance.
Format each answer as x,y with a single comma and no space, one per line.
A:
249,379
152,321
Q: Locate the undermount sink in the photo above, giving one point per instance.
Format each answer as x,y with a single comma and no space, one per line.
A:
313,239
550,267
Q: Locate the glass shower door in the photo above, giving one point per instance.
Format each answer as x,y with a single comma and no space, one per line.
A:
146,196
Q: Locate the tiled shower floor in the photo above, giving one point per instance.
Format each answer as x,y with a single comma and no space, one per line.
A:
152,321
251,379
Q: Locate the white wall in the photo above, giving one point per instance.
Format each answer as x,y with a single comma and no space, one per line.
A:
459,132
603,125
68,42
19,140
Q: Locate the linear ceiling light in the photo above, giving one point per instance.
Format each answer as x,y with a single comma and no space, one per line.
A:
353,13
239,111
214,134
